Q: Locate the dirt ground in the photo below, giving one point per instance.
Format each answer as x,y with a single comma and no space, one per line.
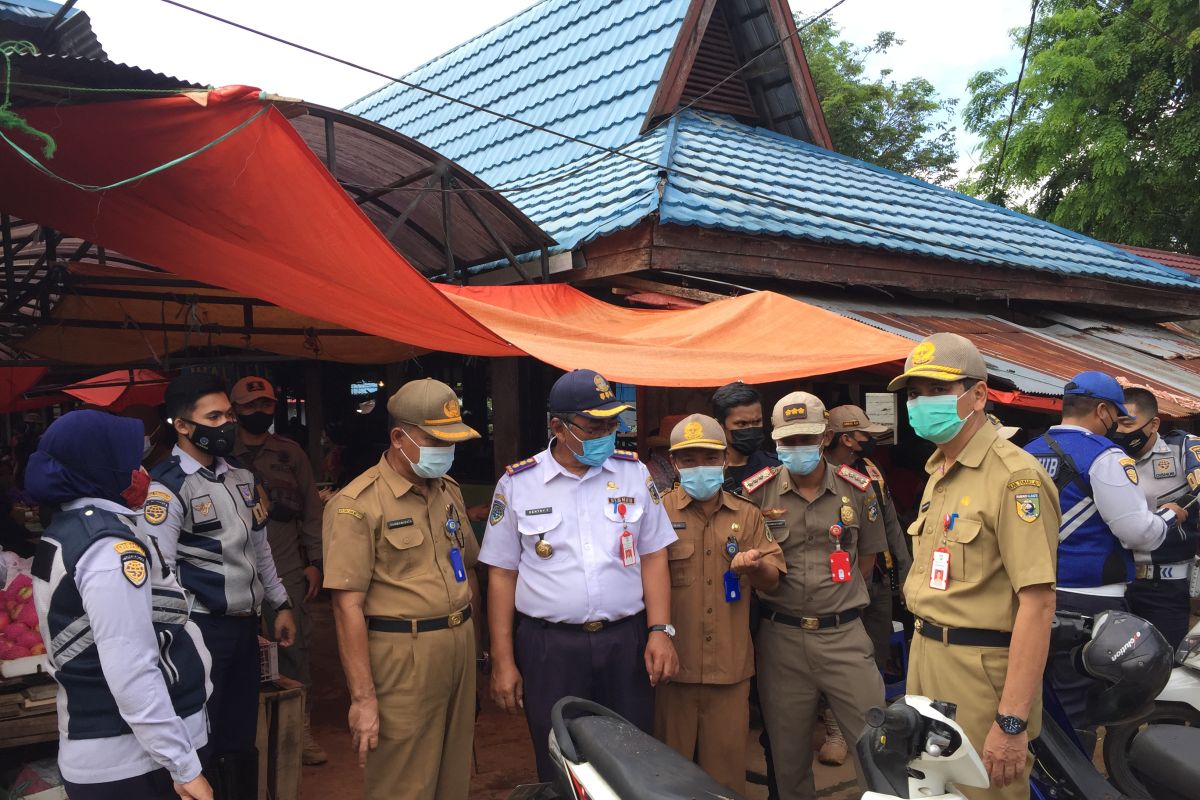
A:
503,754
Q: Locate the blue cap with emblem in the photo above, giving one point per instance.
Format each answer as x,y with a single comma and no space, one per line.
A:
1099,385
583,391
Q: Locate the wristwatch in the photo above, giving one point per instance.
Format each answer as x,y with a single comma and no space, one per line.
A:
668,629
1010,724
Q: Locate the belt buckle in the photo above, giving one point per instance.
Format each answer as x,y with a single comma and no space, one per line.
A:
810,623
1145,571
593,626
455,619
917,623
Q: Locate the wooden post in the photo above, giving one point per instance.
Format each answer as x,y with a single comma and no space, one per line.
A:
314,414
506,411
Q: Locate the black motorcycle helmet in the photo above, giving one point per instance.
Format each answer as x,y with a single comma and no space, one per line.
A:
1131,662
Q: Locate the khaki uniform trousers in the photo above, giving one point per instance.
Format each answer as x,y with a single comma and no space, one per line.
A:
972,678
425,685
794,667
707,723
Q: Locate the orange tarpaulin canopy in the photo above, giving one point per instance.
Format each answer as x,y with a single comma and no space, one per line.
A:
121,389
257,214
757,337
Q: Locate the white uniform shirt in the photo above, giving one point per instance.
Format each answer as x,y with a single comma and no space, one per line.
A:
1160,475
129,656
585,579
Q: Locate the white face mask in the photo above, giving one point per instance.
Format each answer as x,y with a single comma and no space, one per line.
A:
433,462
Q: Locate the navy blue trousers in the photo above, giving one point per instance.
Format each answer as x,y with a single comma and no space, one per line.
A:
607,667
233,707
1164,604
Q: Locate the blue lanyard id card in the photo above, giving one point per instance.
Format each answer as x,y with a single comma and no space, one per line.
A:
733,586
456,561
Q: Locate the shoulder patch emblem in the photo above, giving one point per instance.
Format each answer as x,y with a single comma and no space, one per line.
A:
155,511
159,495
653,490
873,512
624,455
499,506
1130,469
853,477
873,472
247,492
353,512
521,466
1029,505
758,479
133,567
126,546
1164,467
1031,482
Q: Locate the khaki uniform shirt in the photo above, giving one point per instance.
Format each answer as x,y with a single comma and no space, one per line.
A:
294,530
1004,538
802,530
712,636
386,537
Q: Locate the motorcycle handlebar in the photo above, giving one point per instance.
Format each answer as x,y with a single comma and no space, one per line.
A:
899,719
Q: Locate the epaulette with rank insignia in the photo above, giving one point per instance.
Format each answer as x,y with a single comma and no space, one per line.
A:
625,455
521,466
759,479
873,471
853,477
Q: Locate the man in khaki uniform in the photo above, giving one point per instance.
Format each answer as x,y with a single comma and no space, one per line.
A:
982,581
723,549
811,640
294,530
853,443
400,558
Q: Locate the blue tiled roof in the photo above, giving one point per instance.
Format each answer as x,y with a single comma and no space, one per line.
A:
589,68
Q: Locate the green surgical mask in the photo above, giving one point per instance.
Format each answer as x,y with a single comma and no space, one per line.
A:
936,418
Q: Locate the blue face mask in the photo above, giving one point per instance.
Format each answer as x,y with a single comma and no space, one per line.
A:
936,418
595,451
801,459
434,462
702,483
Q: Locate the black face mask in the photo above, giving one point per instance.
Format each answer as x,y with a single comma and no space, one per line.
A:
1131,442
866,448
216,440
746,440
257,423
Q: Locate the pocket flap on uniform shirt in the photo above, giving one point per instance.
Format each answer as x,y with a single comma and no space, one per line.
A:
679,550
534,524
914,527
964,530
403,537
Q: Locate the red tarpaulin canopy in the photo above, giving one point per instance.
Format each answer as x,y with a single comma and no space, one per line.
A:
256,213
118,390
14,382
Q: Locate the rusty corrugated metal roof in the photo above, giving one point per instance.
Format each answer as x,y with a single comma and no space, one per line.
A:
1039,360
1177,260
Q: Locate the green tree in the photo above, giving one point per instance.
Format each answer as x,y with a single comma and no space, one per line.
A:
1105,138
905,127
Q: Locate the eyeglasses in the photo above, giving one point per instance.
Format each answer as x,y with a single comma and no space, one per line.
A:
596,433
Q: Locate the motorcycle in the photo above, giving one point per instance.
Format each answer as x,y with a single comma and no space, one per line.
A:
916,749
600,755
1177,705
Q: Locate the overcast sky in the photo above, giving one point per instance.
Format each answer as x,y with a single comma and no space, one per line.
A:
946,41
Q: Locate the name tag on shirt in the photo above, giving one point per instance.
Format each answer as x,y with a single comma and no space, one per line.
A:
1165,467
679,525
534,512
399,523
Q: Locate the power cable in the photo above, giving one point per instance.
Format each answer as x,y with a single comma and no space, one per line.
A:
1012,111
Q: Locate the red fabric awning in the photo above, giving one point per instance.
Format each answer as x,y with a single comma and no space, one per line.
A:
1050,405
257,213
14,382
120,389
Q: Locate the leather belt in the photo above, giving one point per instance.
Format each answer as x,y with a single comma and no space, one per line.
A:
971,637
595,626
1163,572
415,626
812,623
